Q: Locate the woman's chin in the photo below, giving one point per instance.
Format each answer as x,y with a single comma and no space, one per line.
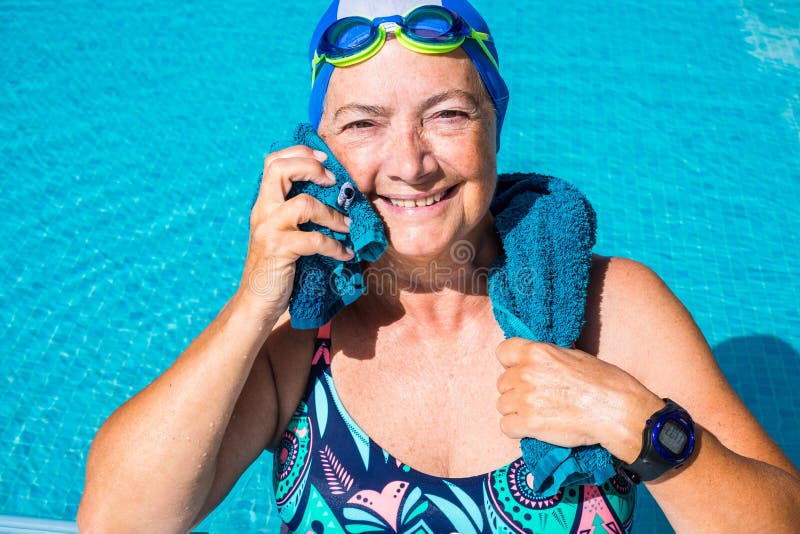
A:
419,251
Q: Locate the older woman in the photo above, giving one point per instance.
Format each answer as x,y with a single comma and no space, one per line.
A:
414,421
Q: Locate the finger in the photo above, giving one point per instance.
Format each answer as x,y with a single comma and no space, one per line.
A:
514,377
513,425
310,243
295,151
304,208
503,383
280,173
507,403
292,152
512,351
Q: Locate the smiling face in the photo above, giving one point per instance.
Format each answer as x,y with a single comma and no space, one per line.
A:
417,134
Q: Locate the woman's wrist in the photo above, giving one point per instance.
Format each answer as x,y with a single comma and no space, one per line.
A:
256,303
245,311
624,436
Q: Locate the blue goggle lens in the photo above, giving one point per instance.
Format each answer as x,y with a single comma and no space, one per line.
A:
432,25
347,36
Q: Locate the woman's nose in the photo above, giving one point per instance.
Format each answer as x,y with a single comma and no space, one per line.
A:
409,156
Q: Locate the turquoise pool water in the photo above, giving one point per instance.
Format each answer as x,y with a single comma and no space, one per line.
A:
132,135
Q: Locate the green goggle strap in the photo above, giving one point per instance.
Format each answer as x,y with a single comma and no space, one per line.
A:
443,48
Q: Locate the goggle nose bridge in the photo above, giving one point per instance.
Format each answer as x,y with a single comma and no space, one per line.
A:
390,23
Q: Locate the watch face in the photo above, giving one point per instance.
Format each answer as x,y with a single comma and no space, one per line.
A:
673,437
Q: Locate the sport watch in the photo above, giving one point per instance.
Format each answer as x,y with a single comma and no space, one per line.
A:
667,442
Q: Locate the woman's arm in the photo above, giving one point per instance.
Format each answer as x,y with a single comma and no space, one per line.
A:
154,462
648,347
738,467
170,454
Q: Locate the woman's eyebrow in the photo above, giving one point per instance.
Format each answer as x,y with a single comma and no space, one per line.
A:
367,109
447,95
363,109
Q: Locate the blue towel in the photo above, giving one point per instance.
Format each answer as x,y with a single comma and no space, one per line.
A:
538,292
323,286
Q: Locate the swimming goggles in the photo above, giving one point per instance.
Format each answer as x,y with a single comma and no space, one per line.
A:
426,30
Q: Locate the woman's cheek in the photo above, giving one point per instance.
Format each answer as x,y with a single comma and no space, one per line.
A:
463,135
361,162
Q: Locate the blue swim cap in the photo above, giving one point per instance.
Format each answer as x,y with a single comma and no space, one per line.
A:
372,9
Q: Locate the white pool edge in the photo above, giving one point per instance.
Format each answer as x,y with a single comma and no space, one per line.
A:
32,525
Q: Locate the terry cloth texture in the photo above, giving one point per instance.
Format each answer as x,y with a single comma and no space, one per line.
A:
323,286
538,291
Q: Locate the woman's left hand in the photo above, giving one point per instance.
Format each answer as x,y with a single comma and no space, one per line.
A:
569,398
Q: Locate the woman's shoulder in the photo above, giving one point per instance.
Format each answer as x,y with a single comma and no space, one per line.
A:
622,274
629,309
622,288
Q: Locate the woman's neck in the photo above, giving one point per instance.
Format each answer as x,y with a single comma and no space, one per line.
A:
439,291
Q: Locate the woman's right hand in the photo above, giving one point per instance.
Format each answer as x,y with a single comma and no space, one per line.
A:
275,238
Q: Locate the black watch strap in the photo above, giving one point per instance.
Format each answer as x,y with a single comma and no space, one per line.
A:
667,443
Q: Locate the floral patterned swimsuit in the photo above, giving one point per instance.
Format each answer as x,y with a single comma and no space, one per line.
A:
330,477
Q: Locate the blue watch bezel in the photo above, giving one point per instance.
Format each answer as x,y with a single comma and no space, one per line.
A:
677,416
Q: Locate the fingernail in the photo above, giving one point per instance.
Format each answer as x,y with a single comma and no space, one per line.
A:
347,221
330,175
350,251
320,155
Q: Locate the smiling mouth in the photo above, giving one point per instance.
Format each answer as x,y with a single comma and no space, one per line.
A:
419,202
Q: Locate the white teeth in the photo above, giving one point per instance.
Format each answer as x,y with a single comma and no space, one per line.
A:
427,201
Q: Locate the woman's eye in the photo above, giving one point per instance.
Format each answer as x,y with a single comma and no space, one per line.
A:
451,114
357,125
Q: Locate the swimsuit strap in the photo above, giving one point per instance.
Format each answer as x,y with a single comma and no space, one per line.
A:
324,331
322,347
